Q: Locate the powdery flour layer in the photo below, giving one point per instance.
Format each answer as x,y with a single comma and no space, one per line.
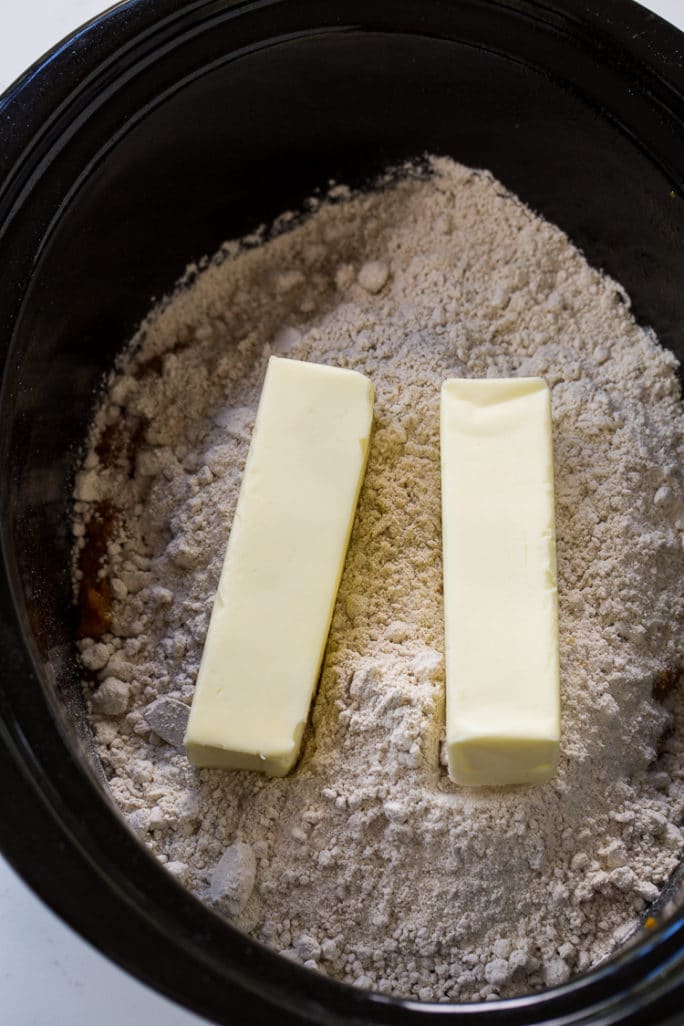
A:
367,863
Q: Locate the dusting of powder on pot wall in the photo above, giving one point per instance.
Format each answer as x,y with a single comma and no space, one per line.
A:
367,863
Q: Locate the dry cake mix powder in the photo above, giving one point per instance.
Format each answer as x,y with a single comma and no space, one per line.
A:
367,863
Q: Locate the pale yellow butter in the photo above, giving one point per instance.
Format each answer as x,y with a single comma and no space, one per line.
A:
500,597
282,568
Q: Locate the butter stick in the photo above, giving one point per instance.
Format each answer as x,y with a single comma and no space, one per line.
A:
282,568
500,597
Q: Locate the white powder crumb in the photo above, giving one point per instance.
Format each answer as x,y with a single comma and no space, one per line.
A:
288,280
497,972
518,960
178,869
138,820
168,718
556,972
95,657
232,881
646,890
237,421
307,947
344,276
373,276
367,861
111,697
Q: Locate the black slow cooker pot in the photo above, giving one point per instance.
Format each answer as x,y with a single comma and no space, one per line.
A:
142,142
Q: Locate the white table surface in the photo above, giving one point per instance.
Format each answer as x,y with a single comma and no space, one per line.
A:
48,975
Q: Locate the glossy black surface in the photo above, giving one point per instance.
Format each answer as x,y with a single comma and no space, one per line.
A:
143,142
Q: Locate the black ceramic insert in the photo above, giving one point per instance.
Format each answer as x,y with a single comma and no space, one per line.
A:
140,144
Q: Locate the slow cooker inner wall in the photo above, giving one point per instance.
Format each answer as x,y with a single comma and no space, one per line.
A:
150,182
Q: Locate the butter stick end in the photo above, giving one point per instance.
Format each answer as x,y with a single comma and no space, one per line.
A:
214,757
497,761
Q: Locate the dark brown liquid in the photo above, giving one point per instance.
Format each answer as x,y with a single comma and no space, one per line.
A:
664,683
95,591
118,445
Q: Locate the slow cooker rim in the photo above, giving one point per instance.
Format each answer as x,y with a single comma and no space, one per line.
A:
26,108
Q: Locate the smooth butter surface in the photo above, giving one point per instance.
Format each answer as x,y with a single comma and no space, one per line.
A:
282,568
501,619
